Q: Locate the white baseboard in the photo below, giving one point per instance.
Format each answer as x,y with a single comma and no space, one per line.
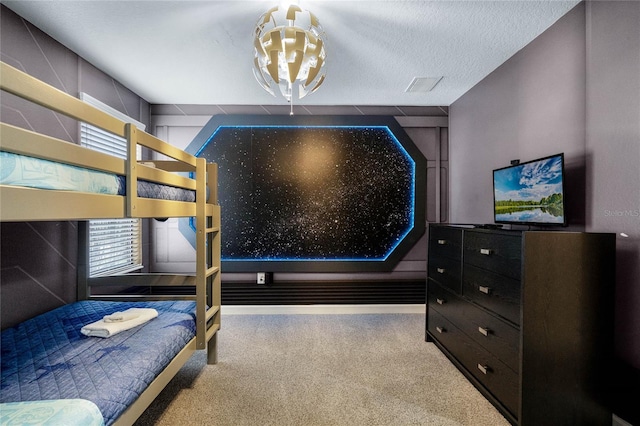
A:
321,309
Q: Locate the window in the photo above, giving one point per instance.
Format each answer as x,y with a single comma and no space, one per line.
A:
115,245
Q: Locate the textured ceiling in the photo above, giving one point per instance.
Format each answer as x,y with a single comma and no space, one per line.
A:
201,52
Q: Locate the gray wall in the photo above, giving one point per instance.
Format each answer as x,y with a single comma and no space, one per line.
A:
574,89
530,107
38,260
613,152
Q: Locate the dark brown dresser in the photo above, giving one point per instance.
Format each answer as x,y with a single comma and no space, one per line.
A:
527,316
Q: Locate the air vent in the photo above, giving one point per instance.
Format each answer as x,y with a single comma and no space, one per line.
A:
422,84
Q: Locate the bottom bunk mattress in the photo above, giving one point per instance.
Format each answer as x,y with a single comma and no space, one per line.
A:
47,357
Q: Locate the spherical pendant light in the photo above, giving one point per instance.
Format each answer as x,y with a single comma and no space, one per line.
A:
289,51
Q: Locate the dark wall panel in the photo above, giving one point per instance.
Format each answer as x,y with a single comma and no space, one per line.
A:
38,268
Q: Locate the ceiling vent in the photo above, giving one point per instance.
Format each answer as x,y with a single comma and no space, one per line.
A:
422,84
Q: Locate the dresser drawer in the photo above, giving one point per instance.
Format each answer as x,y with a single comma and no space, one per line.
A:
499,253
445,271
446,303
495,292
494,375
445,242
446,333
493,334
499,379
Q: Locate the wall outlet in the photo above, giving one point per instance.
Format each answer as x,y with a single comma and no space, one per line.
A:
264,278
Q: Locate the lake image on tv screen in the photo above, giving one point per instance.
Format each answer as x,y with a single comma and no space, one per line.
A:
530,193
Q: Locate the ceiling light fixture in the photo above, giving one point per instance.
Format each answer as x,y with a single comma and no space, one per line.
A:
289,51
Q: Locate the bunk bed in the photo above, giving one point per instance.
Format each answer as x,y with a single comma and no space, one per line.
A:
46,359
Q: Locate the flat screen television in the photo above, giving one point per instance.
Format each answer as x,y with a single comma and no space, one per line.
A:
530,193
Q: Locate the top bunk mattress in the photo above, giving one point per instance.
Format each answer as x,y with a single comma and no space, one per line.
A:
31,172
48,358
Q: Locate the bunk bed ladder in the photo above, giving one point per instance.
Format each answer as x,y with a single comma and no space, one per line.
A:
208,292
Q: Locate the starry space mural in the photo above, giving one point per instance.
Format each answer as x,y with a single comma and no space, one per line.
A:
300,193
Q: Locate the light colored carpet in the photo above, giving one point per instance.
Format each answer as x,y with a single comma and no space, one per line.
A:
370,369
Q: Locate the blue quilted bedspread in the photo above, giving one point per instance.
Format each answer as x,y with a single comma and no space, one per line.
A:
63,412
47,357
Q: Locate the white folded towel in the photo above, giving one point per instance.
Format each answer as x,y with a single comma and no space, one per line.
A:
102,328
129,314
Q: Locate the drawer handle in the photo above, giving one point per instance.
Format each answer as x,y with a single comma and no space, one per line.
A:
483,331
483,289
442,242
440,270
441,330
485,251
483,368
440,301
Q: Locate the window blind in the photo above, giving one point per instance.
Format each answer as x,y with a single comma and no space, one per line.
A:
114,244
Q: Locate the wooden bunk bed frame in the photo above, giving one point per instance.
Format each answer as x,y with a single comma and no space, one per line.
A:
21,204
